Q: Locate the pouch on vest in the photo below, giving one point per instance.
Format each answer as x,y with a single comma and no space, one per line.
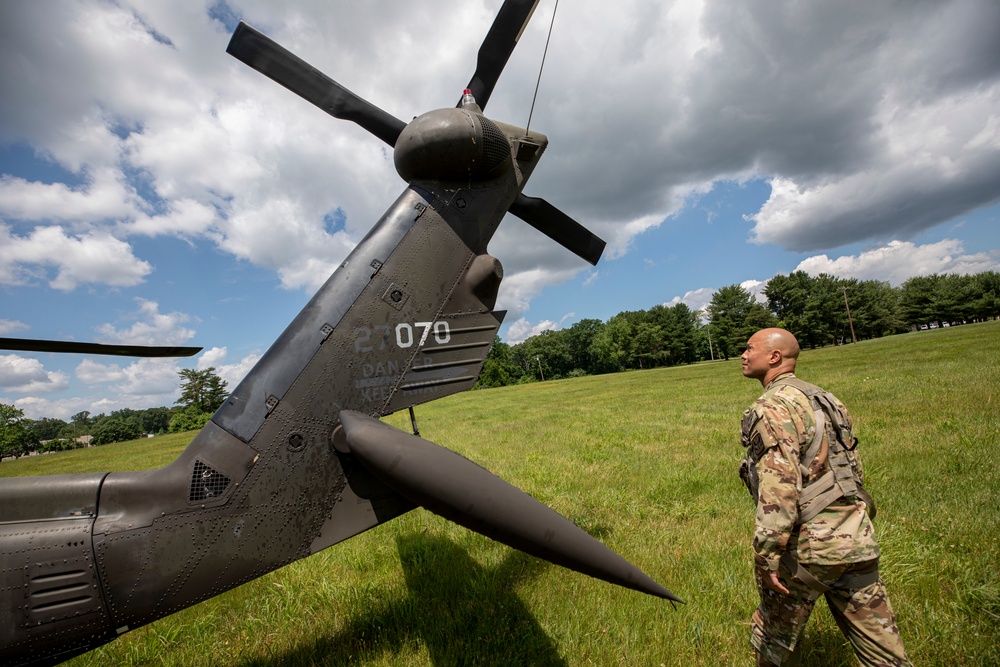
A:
754,444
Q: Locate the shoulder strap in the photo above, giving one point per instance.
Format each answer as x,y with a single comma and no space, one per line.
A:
840,480
806,388
810,390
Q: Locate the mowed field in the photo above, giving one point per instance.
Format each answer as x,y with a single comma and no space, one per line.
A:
646,461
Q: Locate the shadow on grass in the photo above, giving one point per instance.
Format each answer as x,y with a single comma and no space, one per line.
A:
460,612
823,644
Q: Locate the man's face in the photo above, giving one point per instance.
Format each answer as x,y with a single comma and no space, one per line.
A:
756,358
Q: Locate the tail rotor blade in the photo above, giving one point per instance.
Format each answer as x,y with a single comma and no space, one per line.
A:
559,227
281,65
461,491
497,47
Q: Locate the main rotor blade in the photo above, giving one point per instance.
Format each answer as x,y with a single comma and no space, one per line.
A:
281,65
33,345
461,491
559,227
497,47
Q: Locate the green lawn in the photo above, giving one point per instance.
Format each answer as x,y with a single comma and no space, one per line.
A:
646,461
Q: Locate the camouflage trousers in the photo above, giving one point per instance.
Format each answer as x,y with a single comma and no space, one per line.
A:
864,615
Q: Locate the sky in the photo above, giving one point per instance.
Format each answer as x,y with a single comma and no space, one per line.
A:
155,190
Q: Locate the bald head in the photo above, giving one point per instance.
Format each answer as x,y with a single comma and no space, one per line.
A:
769,353
781,340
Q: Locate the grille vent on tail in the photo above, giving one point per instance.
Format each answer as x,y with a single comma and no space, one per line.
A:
496,148
448,364
206,483
61,589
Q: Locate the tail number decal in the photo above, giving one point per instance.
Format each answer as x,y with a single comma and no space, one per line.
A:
406,335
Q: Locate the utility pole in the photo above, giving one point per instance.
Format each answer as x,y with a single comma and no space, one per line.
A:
849,320
710,353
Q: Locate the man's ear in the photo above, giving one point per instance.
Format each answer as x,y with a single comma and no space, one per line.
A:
775,359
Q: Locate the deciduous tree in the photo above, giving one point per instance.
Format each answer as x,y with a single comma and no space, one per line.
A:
114,429
615,344
188,419
499,369
580,339
47,428
15,437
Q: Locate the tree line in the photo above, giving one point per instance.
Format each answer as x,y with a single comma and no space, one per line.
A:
202,393
819,310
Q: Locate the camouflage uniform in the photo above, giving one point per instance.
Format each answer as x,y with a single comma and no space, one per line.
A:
837,547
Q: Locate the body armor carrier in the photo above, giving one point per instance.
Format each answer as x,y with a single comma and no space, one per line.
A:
843,477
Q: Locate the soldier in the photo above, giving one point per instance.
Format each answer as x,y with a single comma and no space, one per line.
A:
813,531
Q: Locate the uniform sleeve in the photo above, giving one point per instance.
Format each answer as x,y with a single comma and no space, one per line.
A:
780,482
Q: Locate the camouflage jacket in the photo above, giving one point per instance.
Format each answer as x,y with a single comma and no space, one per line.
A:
782,423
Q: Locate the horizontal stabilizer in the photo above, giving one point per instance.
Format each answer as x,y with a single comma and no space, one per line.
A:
559,227
461,491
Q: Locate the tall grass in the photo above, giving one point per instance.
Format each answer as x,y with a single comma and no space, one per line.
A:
645,461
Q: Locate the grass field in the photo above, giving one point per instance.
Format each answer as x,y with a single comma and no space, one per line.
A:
646,461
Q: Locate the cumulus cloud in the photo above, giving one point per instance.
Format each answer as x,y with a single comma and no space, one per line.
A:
184,218
153,327
897,261
870,123
12,326
233,373
38,407
212,357
144,383
92,372
92,257
694,299
756,289
889,140
23,375
856,115
142,379
522,329
518,290
303,254
698,300
105,195
150,381
139,390
171,140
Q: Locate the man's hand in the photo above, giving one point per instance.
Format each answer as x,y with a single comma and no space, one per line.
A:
770,580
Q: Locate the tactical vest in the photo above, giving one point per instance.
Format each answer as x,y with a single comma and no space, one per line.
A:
841,480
